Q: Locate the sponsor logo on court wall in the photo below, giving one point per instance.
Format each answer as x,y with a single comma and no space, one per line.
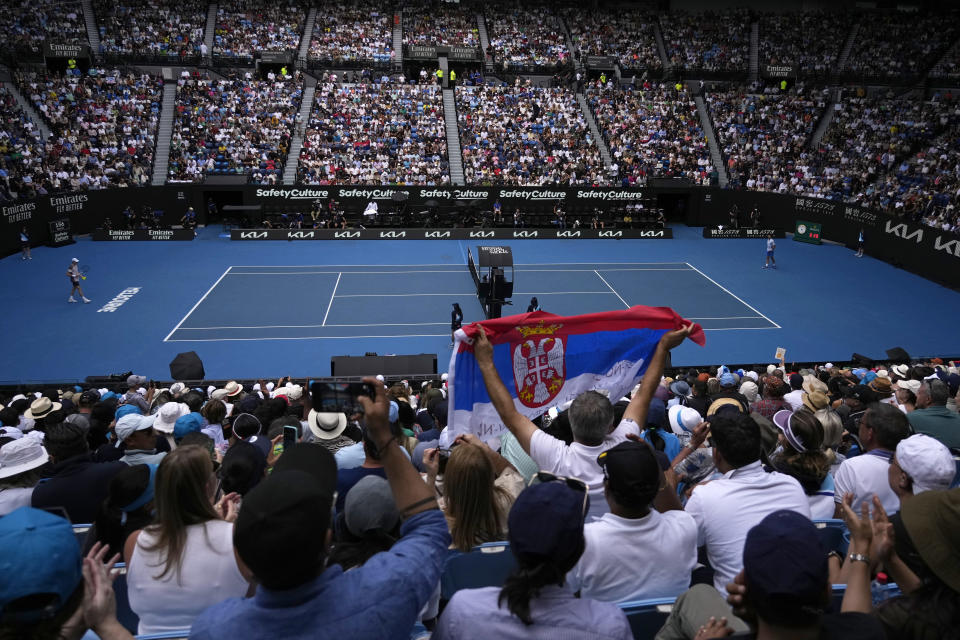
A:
951,246
68,204
610,195
901,230
815,205
19,212
860,216
346,234
534,194
454,194
252,235
293,194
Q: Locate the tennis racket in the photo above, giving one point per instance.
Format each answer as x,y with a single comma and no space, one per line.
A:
84,270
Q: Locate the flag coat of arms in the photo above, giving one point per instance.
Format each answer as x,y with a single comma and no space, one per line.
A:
547,360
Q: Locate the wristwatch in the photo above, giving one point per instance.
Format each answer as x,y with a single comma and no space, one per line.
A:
858,557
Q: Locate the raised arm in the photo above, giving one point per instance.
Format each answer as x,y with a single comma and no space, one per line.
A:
640,403
518,424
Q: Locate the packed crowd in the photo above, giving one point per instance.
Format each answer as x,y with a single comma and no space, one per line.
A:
900,43
22,173
809,40
525,135
525,37
353,32
868,138
242,30
25,24
629,38
949,65
453,26
104,126
233,127
653,131
764,137
710,41
602,501
375,134
152,27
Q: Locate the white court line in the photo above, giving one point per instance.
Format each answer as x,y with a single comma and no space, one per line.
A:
193,308
727,318
313,326
556,293
333,294
287,273
289,266
612,289
417,335
562,264
403,295
775,325
578,270
741,328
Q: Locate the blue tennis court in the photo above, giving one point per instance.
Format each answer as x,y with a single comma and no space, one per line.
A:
355,302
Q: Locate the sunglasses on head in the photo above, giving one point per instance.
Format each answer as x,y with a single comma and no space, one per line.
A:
543,477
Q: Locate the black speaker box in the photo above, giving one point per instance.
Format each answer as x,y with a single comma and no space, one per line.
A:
187,366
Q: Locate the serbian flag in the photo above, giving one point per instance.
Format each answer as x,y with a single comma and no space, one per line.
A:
546,360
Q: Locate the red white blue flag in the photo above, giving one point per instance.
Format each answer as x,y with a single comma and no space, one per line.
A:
546,360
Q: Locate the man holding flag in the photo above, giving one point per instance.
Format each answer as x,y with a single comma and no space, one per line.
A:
534,361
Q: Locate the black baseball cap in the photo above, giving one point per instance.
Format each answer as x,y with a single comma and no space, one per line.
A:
783,558
632,472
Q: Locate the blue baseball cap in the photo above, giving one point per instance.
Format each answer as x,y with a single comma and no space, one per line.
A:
187,424
41,550
783,558
546,522
125,409
727,380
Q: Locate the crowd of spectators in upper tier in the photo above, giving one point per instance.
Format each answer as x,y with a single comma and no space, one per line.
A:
22,170
526,135
26,24
900,43
712,41
233,127
354,32
243,29
375,134
808,40
630,38
525,37
451,26
653,131
151,27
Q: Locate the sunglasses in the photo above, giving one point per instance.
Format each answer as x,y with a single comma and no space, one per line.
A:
543,477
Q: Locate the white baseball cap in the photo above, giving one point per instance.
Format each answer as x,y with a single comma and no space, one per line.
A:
927,461
75,260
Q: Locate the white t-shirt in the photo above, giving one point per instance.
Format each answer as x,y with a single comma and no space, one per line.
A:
794,399
728,507
770,245
209,575
579,461
13,499
864,476
626,560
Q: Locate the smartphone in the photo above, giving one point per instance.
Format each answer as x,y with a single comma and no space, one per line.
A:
339,397
290,435
444,456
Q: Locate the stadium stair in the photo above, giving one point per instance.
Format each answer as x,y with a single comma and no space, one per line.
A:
453,138
397,41
825,120
754,51
90,20
28,109
574,53
304,48
484,42
847,48
662,49
595,130
296,142
161,157
209,31
715,155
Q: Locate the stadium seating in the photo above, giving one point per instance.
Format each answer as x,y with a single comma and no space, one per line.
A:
486,566
646,617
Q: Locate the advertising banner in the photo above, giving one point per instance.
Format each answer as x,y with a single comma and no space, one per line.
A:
449,234
102,235
717,233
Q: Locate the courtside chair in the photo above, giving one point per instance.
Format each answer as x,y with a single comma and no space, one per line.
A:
81,531
647,617
487,565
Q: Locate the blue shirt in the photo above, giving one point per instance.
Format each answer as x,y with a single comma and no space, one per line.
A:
381,599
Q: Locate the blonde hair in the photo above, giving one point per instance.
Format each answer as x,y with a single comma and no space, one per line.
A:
472,499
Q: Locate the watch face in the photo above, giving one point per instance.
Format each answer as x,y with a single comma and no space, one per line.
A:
801,229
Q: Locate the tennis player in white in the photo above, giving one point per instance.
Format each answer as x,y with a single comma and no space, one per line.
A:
73,272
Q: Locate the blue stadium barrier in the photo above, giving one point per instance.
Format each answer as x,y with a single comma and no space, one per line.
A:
647,617
125,614
487,565
838,590
833,535
183,634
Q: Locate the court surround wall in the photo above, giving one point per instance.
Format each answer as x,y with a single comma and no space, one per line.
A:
926,251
